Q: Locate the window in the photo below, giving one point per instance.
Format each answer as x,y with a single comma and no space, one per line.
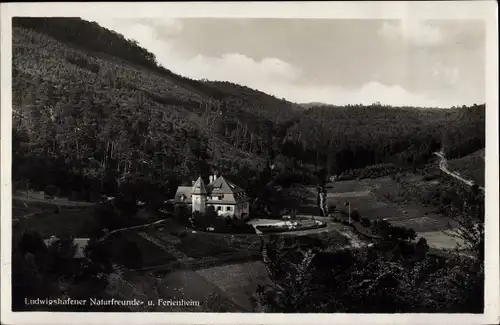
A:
219,208
228,209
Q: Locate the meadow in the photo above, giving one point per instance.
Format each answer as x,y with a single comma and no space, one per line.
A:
70,223
377,199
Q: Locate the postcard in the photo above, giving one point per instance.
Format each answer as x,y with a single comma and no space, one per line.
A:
250,163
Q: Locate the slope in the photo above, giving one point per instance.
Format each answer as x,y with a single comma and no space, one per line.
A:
93,110
103,116
470,167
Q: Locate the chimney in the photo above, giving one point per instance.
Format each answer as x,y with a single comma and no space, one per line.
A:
192,183
211,178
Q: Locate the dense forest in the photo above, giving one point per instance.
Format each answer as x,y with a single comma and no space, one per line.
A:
94,111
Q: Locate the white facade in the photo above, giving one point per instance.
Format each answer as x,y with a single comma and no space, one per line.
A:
228,199
199,202
232,210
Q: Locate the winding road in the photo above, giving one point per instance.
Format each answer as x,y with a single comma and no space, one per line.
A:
443,165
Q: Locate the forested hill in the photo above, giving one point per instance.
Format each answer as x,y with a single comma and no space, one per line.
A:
93,112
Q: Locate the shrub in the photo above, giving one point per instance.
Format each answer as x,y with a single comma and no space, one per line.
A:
366,222
355,215
51,190
422,245
240,227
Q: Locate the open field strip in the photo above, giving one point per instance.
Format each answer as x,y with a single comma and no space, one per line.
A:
360,195
170,249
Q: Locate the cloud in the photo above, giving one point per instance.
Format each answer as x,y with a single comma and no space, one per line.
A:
239,68
413,32
274,75
451,75
171,26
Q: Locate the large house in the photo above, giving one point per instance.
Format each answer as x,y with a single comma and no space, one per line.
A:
227,198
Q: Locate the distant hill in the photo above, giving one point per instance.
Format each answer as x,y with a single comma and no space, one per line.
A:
95,110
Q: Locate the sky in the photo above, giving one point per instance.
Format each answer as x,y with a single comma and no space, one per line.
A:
430,63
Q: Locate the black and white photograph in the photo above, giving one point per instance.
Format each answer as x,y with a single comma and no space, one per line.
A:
249,164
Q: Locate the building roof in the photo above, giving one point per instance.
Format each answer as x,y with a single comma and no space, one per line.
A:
199,187
222,186
81,244
183,194
229,192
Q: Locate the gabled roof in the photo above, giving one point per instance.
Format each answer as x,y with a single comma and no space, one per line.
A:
219,187
199,187
223,186
183,194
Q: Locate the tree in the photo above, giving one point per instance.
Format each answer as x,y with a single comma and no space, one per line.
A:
355,215
467,212
290,276
51,190
294,196
332,207
52,270
107,217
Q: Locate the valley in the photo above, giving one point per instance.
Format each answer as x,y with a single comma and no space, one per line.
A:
112,135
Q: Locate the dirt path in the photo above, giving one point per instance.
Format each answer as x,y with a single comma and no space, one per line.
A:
56,201
443,165
130,228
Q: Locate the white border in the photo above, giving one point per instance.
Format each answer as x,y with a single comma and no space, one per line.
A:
485,10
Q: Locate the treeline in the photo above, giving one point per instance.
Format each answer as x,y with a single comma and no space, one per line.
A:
344,138
466,131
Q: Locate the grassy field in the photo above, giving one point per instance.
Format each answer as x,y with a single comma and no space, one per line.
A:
152,255
77,223
48,219
21,208
372,199
438,239
232,293
242,283
179,285
202,246
470,167
23,211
